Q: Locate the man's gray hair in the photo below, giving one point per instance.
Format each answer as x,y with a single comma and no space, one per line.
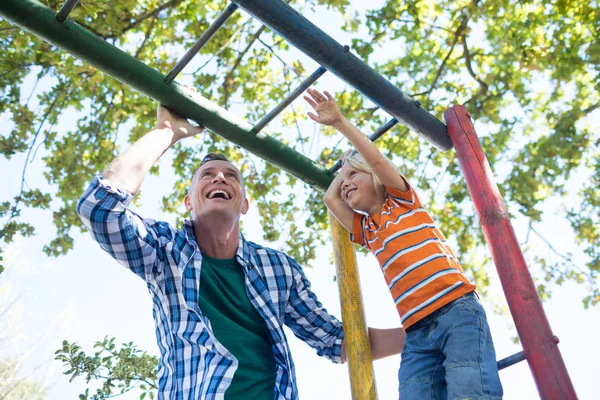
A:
213,157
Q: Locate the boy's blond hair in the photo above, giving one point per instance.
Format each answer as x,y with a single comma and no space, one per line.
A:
356,161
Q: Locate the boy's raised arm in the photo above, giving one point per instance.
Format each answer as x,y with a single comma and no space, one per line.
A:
329,114
337,206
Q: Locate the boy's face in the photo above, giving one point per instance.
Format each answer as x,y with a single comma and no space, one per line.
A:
359,191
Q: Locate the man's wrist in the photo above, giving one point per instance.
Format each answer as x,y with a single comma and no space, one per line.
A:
167,133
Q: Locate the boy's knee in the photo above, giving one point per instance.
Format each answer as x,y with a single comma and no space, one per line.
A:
469,380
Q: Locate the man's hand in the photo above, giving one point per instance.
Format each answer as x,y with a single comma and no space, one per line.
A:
181,128
130,168
325,106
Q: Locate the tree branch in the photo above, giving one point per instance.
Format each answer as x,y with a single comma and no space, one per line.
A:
38,77
457,35
484,86
567,259
228,78
225,46
51,126
18,66
153,13
591,109
440,178
431,24
431,153
146,37
15,208
285,65
149,14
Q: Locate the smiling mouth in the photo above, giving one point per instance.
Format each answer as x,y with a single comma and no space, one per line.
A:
218,194
349,193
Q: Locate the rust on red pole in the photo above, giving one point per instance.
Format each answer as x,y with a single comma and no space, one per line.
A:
539,343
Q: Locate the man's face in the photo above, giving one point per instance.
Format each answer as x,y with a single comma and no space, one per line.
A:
217,191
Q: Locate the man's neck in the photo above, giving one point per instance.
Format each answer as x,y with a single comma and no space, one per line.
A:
217,242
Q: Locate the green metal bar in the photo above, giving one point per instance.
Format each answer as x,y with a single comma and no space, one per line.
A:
41,21
66,9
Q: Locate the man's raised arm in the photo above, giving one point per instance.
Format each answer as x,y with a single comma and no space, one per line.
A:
135,242
128,170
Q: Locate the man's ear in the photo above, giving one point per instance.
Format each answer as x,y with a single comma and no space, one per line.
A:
245,206
188,202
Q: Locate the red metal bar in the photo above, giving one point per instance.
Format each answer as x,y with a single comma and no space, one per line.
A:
539,344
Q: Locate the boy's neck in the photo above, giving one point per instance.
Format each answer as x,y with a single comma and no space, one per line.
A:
375,210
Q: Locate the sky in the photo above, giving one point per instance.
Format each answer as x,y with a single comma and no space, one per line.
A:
85,296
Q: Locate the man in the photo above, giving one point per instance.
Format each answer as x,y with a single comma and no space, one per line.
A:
219,301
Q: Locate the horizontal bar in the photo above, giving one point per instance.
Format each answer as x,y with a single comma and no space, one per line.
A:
511,360
66,9
383,129
288,100
40,20
376,135
204,38
315,43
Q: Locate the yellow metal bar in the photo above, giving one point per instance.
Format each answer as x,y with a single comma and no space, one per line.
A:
358,349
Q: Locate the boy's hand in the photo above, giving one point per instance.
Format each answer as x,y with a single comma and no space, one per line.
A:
325,106
347,154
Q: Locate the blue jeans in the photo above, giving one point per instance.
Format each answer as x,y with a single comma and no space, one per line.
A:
450,355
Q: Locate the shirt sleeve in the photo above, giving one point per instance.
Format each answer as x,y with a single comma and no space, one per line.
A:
310,321
358,230
406,199
135,242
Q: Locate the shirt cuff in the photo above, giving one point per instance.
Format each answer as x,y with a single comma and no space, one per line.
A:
122,196
336,351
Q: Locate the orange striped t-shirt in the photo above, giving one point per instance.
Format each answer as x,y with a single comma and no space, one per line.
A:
419,267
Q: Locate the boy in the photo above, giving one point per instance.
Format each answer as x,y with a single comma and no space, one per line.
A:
448,350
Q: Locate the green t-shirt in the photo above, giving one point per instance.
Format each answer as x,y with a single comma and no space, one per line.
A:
239,327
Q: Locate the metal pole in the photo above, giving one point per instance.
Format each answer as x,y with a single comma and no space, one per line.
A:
315,43
511,360
288,100
358,348
66,9
40,20
539,343
209,33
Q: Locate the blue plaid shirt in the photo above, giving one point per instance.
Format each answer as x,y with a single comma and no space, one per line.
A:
193,364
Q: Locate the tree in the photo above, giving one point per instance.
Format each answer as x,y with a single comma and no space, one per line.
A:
116,370
527,71
13,386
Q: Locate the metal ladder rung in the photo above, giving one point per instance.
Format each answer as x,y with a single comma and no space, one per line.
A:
376,135
66,9
204,38
289,99
511,360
